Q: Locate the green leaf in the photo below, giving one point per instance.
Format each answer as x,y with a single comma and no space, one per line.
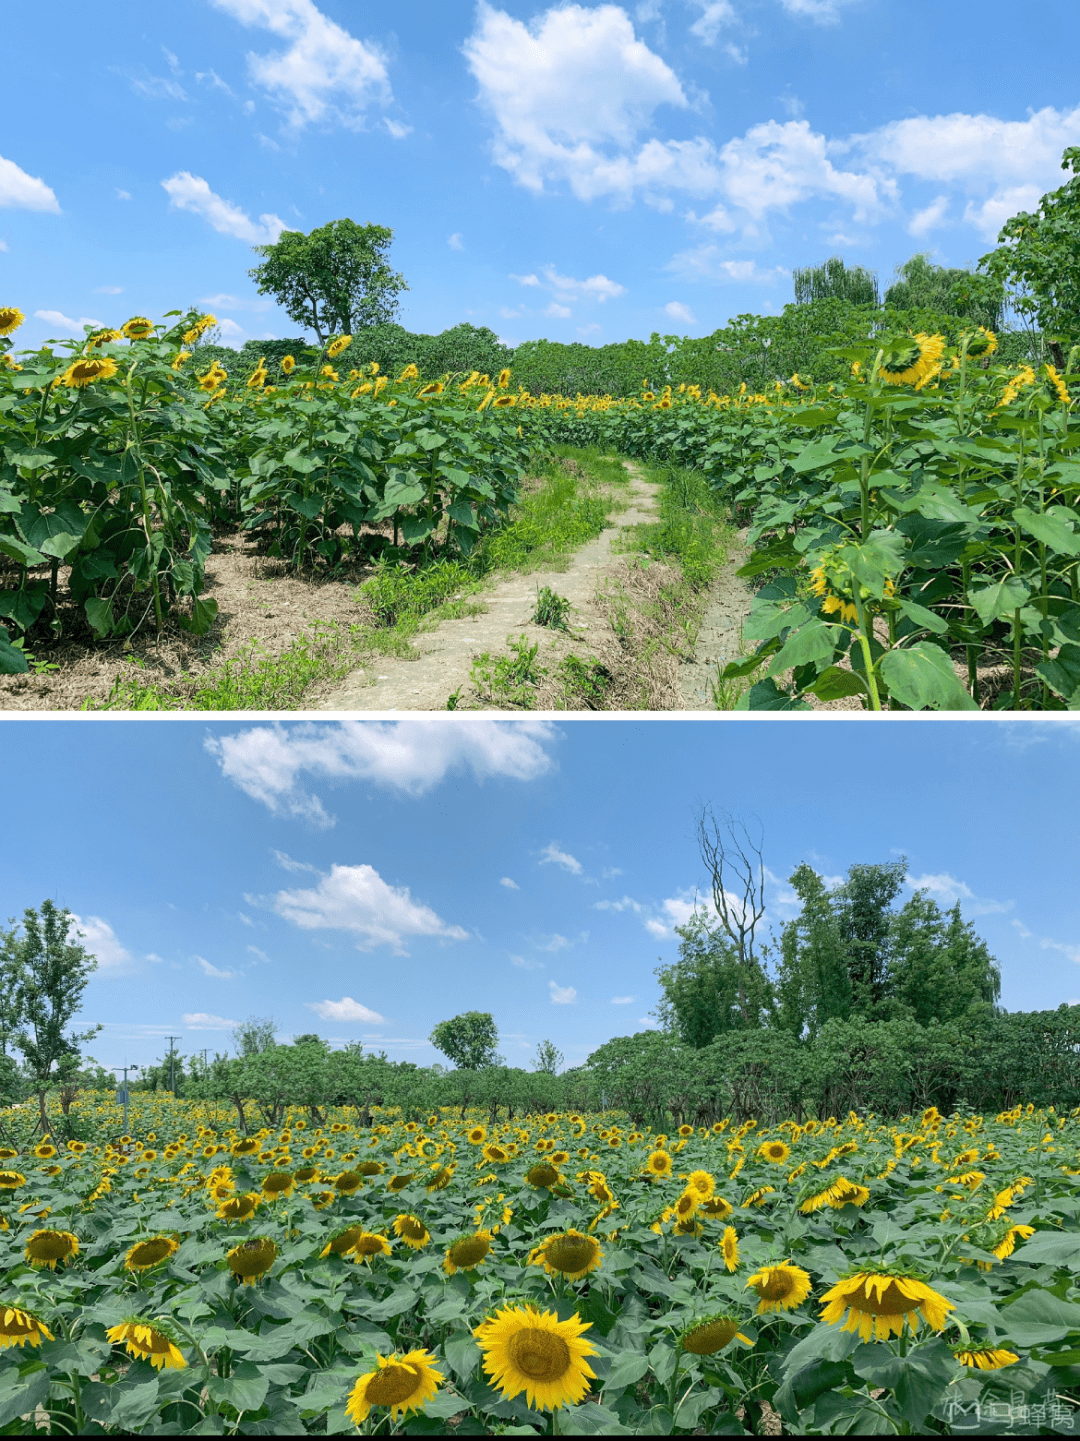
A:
627,1369
1053,528
203,615
813,642
415,528
12,662
18,550
920,616
245,1387
100,615
1055,1248
1000,600
1062,675
23,606
835,683
463,1355
19,1397
768,618
922,678
802,1387
309,506
918,1380
767,695
400,1300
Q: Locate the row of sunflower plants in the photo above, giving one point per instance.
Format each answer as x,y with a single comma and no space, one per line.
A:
118,459
566,1274
916,526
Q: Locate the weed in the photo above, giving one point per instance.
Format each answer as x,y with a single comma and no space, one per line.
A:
509,679
551,610
585,682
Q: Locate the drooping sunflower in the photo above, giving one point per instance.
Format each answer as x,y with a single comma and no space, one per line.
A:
757,1197
1007,1245
729,1246
780,1288
906,359
45,1248
148,1341
11,1180
495,1155
435,388
87,370
412,1231
306,1174
570,1253
400,1181
776,1152
987,1358
467,1252
237,1208
878,1304
336,347
502,402
543,1175
716,1208
252,1259
341,1242
146,1254
19,1327
409,373
103,337
401,1383
370,1244
712,1334
369,1168
348,1183
659,1164
504,379
245,1147
440,1179
1053,384
981,341
837,1194
533,1351
11,317
137,328
277,1185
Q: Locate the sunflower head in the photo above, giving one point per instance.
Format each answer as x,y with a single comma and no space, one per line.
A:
86,370
11,1180
237,1208
46,1248
985,1358
780,1288
570,1254
147,1340
533,1351
277,1185
400,1383
981,342
252,1259
11,317
706,1337
137,328
369,1244
336,347
775,1152
19,1327
907,359
146,1254
659,1164
542,1175
880,1304
467,1252
412,1231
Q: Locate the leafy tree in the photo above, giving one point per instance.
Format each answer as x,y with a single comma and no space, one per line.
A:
710,989
941,969
548,1058
10,996
1038,256
51,970
309,1038
255,1035
334,280
835,281
469,1040
921,283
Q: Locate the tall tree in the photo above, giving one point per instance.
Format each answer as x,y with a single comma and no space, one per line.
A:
469,1040
255,1035
920,284
10,998
862,908
941,970
548,1058
835,281
814,983
334,280
53,968
710,990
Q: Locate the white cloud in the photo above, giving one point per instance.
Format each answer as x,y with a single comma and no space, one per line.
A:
526,965
345,1010
626,904
454,241
411,757
552,855
555,311
357,899
19,191
109,290
715,16
566,291
947,890
65,322
556,943
706,263
259,955
191,192
158,87
823,12
3,246
326,74
775,165
677,311
397,129
509,884
562,995
930,218
211,970
202,1021
991,215
101,941
235,302
1071,952
123,195
622,1000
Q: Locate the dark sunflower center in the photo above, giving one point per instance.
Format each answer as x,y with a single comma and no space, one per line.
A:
470,1251
345,1242
892,1301
413,1229
570,1253
368,1168
52,1246
393,1385
540,1355
707,1339
279,1181
159,1344
543,1176
150,1252
348,1182
369,1245
17,1326
398,1183
777,1287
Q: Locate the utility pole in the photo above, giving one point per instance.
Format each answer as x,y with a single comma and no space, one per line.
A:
172,1063
122,1091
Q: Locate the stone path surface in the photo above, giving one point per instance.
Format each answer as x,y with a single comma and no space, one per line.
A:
719,636
445,655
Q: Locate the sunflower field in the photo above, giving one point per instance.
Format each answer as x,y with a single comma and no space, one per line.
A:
563,1274
915,527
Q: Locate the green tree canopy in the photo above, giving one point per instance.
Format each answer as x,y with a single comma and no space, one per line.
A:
334,280
835,281
254,1035
710,989
469,1040
548,1058
920,284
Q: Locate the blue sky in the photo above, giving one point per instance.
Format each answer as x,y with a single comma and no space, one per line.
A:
584,172
368,879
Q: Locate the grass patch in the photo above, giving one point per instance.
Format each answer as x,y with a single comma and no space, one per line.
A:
570,506
693,529
509,680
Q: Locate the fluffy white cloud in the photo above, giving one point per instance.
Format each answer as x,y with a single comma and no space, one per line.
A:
412,757
102,942
677,311
325,74
622,1000
357,899
991,215
706,262
526,965
776,164
203,1021
65,322
345,1010
929,218
552,855
509,884
208,969
191,192
566,291
109,290
454,241
716,15
555,311
824,12
562,995
947,890
19,191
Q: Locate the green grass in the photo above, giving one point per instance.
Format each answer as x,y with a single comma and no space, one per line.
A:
545,528
693,529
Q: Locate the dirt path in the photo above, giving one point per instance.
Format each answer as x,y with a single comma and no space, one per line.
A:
445,655
718,640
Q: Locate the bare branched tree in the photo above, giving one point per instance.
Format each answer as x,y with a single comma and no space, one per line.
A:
733,854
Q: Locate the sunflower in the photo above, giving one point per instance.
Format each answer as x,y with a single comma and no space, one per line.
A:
237,1208
986,1359
729,1245
496,1155
11,317
399,1182
336,347
477,1136
145,1254
908,358
341,1242
412,1231
533,1351
86,370
1054,384
402,1383
306,1174
288,364
369,1244
504,401
879,1303
542,1175
148,1341
837,1194
504,379
369,1168
1007,1245
45,1248
11,1180
716,1208
321,1199
252,1259
981,341
103,337
570,1254
780,1288
137,328
685,1206
277,1185
701,1184
435,388
19,1327
706,1337
409,373
775,1151
467,1252
348,1183
757,1198
659,1164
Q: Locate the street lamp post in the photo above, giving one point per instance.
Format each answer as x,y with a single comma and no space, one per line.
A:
122,1091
